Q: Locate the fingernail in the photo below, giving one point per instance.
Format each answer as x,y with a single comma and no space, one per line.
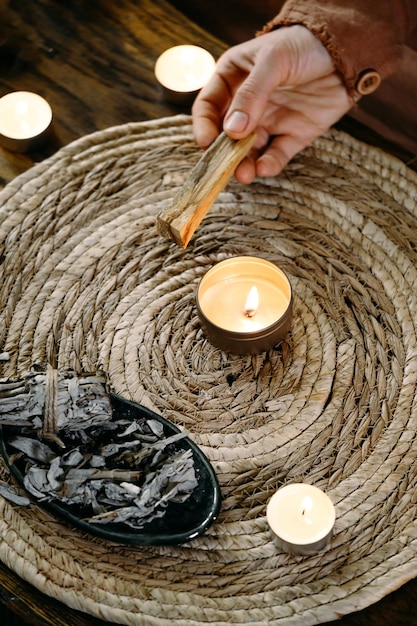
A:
237,122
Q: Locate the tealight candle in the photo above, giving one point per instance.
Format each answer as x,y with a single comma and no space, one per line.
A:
182,71
25,121
244,305
301,518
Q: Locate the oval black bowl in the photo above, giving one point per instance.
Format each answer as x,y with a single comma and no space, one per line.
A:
181,522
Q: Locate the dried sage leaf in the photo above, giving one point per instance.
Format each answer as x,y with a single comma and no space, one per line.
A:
7,492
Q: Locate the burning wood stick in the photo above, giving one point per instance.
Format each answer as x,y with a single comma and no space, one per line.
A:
208,178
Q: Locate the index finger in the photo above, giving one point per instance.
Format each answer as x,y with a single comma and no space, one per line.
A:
208,110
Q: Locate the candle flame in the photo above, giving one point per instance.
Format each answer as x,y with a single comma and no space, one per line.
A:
252,303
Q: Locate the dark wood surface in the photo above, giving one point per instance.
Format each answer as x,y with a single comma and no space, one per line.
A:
93,61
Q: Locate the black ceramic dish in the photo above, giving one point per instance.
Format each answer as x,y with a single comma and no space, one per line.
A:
180,523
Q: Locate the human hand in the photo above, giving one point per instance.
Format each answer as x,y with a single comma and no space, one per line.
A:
284,86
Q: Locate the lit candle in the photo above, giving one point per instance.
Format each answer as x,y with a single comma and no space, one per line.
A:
25,121
301,518
182,71
245,304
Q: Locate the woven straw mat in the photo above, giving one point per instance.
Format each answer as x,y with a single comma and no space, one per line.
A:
335,405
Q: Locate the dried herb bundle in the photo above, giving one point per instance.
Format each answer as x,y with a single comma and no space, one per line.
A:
75,400
113,471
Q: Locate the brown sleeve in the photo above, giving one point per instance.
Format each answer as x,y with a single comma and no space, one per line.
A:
364,37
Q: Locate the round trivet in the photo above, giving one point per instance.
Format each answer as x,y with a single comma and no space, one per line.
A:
86,278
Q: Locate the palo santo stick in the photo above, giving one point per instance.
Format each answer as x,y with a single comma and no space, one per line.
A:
208,178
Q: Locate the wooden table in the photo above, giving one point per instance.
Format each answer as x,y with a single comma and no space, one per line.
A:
93,61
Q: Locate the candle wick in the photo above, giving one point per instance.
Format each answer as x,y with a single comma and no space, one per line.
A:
251,304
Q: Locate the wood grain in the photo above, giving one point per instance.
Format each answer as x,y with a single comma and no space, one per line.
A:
206,180
93,61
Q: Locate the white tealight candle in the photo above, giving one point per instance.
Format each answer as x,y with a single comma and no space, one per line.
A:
25,119
183,70
301,518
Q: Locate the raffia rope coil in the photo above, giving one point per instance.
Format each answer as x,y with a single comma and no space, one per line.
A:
85,273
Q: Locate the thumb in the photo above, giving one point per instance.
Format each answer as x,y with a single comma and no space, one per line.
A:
245,110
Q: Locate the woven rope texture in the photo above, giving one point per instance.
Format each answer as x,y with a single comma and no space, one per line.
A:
85,278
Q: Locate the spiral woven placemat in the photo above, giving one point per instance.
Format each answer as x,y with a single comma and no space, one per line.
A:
83,269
